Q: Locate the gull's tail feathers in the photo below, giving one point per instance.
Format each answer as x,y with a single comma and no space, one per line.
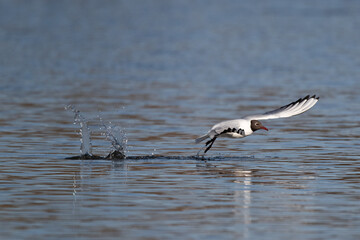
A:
202,138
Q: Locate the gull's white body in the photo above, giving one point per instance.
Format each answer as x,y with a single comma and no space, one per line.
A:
240,128
237,124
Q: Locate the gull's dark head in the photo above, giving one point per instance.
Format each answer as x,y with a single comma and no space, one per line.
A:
256,125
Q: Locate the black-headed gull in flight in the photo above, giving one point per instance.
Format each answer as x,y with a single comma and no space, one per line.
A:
244,127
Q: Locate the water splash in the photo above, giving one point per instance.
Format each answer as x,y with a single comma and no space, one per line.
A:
117,136
85,132
113,133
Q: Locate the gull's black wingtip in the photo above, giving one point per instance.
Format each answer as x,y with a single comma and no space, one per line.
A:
315,97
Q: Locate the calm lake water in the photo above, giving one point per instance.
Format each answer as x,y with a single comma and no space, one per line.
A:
163,72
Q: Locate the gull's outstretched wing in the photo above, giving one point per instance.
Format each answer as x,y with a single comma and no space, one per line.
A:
292,109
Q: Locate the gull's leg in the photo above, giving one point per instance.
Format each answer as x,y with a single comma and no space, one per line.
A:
207,146
211,142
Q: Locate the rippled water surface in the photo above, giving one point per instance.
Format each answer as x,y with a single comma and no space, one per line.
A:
162,73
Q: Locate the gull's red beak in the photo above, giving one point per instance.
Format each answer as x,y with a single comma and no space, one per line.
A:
262,127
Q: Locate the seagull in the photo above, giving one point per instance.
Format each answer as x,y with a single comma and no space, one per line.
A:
244,127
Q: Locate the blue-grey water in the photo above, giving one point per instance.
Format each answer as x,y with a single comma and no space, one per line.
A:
163,72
